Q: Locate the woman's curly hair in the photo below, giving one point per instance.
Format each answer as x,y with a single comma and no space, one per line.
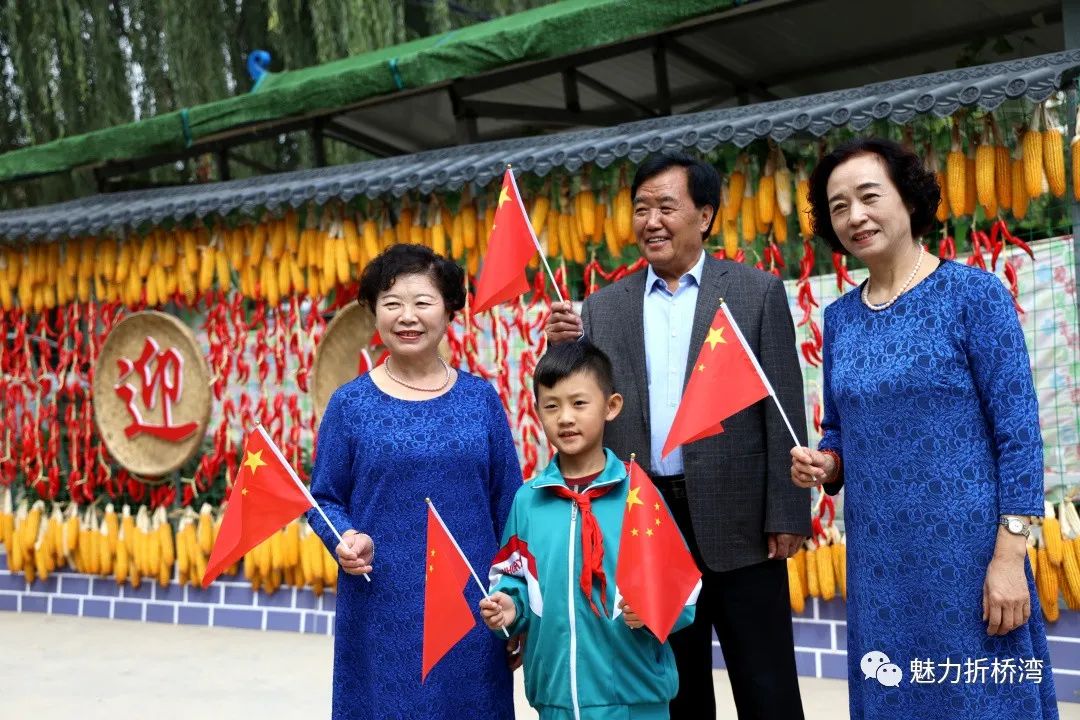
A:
918,187
406,259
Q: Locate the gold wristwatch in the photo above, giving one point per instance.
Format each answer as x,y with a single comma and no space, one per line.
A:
1016,524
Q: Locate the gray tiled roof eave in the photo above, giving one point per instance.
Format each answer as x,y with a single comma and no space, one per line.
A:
939,94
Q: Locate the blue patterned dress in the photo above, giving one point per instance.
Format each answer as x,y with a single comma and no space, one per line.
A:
930,403
378,458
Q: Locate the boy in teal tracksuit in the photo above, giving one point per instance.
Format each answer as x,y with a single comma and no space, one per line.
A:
587,656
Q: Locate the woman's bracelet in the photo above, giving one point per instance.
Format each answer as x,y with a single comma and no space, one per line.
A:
838,468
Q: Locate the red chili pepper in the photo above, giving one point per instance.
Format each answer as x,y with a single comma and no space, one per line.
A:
806,302
842,276
807,262
976,258
946,248
1009,237
810,353
778,257
1014,286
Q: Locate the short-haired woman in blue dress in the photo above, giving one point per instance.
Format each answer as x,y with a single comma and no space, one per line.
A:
410,429
931,424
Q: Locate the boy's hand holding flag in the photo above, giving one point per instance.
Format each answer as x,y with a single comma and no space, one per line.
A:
447,615
656,575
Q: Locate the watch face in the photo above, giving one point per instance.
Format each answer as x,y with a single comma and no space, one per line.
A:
1016,527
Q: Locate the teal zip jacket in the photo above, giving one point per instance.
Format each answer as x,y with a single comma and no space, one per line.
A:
579,666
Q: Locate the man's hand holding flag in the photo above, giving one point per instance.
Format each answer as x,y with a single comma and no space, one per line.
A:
510,248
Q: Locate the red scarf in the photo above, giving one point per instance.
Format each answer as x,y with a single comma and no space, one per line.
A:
592,541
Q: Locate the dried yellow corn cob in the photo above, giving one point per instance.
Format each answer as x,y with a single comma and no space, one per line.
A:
1020,196
1051,529
812,577
1031,147
795,592
985,174
802,203
826,578
1046,583
1054,159
956,174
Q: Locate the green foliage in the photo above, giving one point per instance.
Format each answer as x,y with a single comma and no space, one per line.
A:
71,66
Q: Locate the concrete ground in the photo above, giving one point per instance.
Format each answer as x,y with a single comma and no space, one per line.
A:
56,668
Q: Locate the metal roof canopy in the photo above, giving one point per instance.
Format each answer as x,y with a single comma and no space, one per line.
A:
938,94
757,51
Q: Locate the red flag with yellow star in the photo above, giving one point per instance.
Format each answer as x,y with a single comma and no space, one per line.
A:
510,248
266,495
655,574
447,615
726,379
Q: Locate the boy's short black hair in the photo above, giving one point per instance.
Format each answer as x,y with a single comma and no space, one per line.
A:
562,361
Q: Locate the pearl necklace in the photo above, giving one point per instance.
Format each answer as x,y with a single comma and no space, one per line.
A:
399,381
901,291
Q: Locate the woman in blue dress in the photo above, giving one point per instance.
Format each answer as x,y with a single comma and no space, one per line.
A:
931,424
411,429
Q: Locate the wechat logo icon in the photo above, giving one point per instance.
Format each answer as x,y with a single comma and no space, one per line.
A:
877,666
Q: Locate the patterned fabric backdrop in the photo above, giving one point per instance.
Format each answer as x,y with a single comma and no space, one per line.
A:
1047,293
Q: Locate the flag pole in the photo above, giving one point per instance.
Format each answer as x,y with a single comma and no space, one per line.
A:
303,488
462,554
532,233
760,372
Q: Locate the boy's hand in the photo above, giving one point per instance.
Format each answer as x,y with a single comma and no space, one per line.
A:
355,552
515,651
632,620
498,610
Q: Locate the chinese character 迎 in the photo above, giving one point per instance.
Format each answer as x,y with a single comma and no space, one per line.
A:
161,373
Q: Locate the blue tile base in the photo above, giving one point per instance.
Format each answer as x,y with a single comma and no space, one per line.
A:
820,631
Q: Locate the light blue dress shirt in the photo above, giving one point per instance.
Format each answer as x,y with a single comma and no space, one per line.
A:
669,319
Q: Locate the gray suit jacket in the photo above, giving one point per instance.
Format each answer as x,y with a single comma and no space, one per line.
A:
738,482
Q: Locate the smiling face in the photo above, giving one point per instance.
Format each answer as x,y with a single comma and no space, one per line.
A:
668,228
574,411
411,316
868,214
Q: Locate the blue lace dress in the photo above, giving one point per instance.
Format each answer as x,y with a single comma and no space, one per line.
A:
378,457
930,403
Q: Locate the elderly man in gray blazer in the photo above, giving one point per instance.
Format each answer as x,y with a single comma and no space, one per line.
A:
731,493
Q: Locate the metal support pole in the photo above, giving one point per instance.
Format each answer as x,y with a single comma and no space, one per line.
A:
1070,22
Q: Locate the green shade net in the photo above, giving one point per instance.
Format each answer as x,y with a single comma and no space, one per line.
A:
545,32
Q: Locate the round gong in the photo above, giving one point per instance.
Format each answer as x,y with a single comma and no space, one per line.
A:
151,393
337,358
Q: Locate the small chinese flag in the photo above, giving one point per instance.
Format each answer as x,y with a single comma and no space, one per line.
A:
726,379
267,494
655,574
447,615
510,248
